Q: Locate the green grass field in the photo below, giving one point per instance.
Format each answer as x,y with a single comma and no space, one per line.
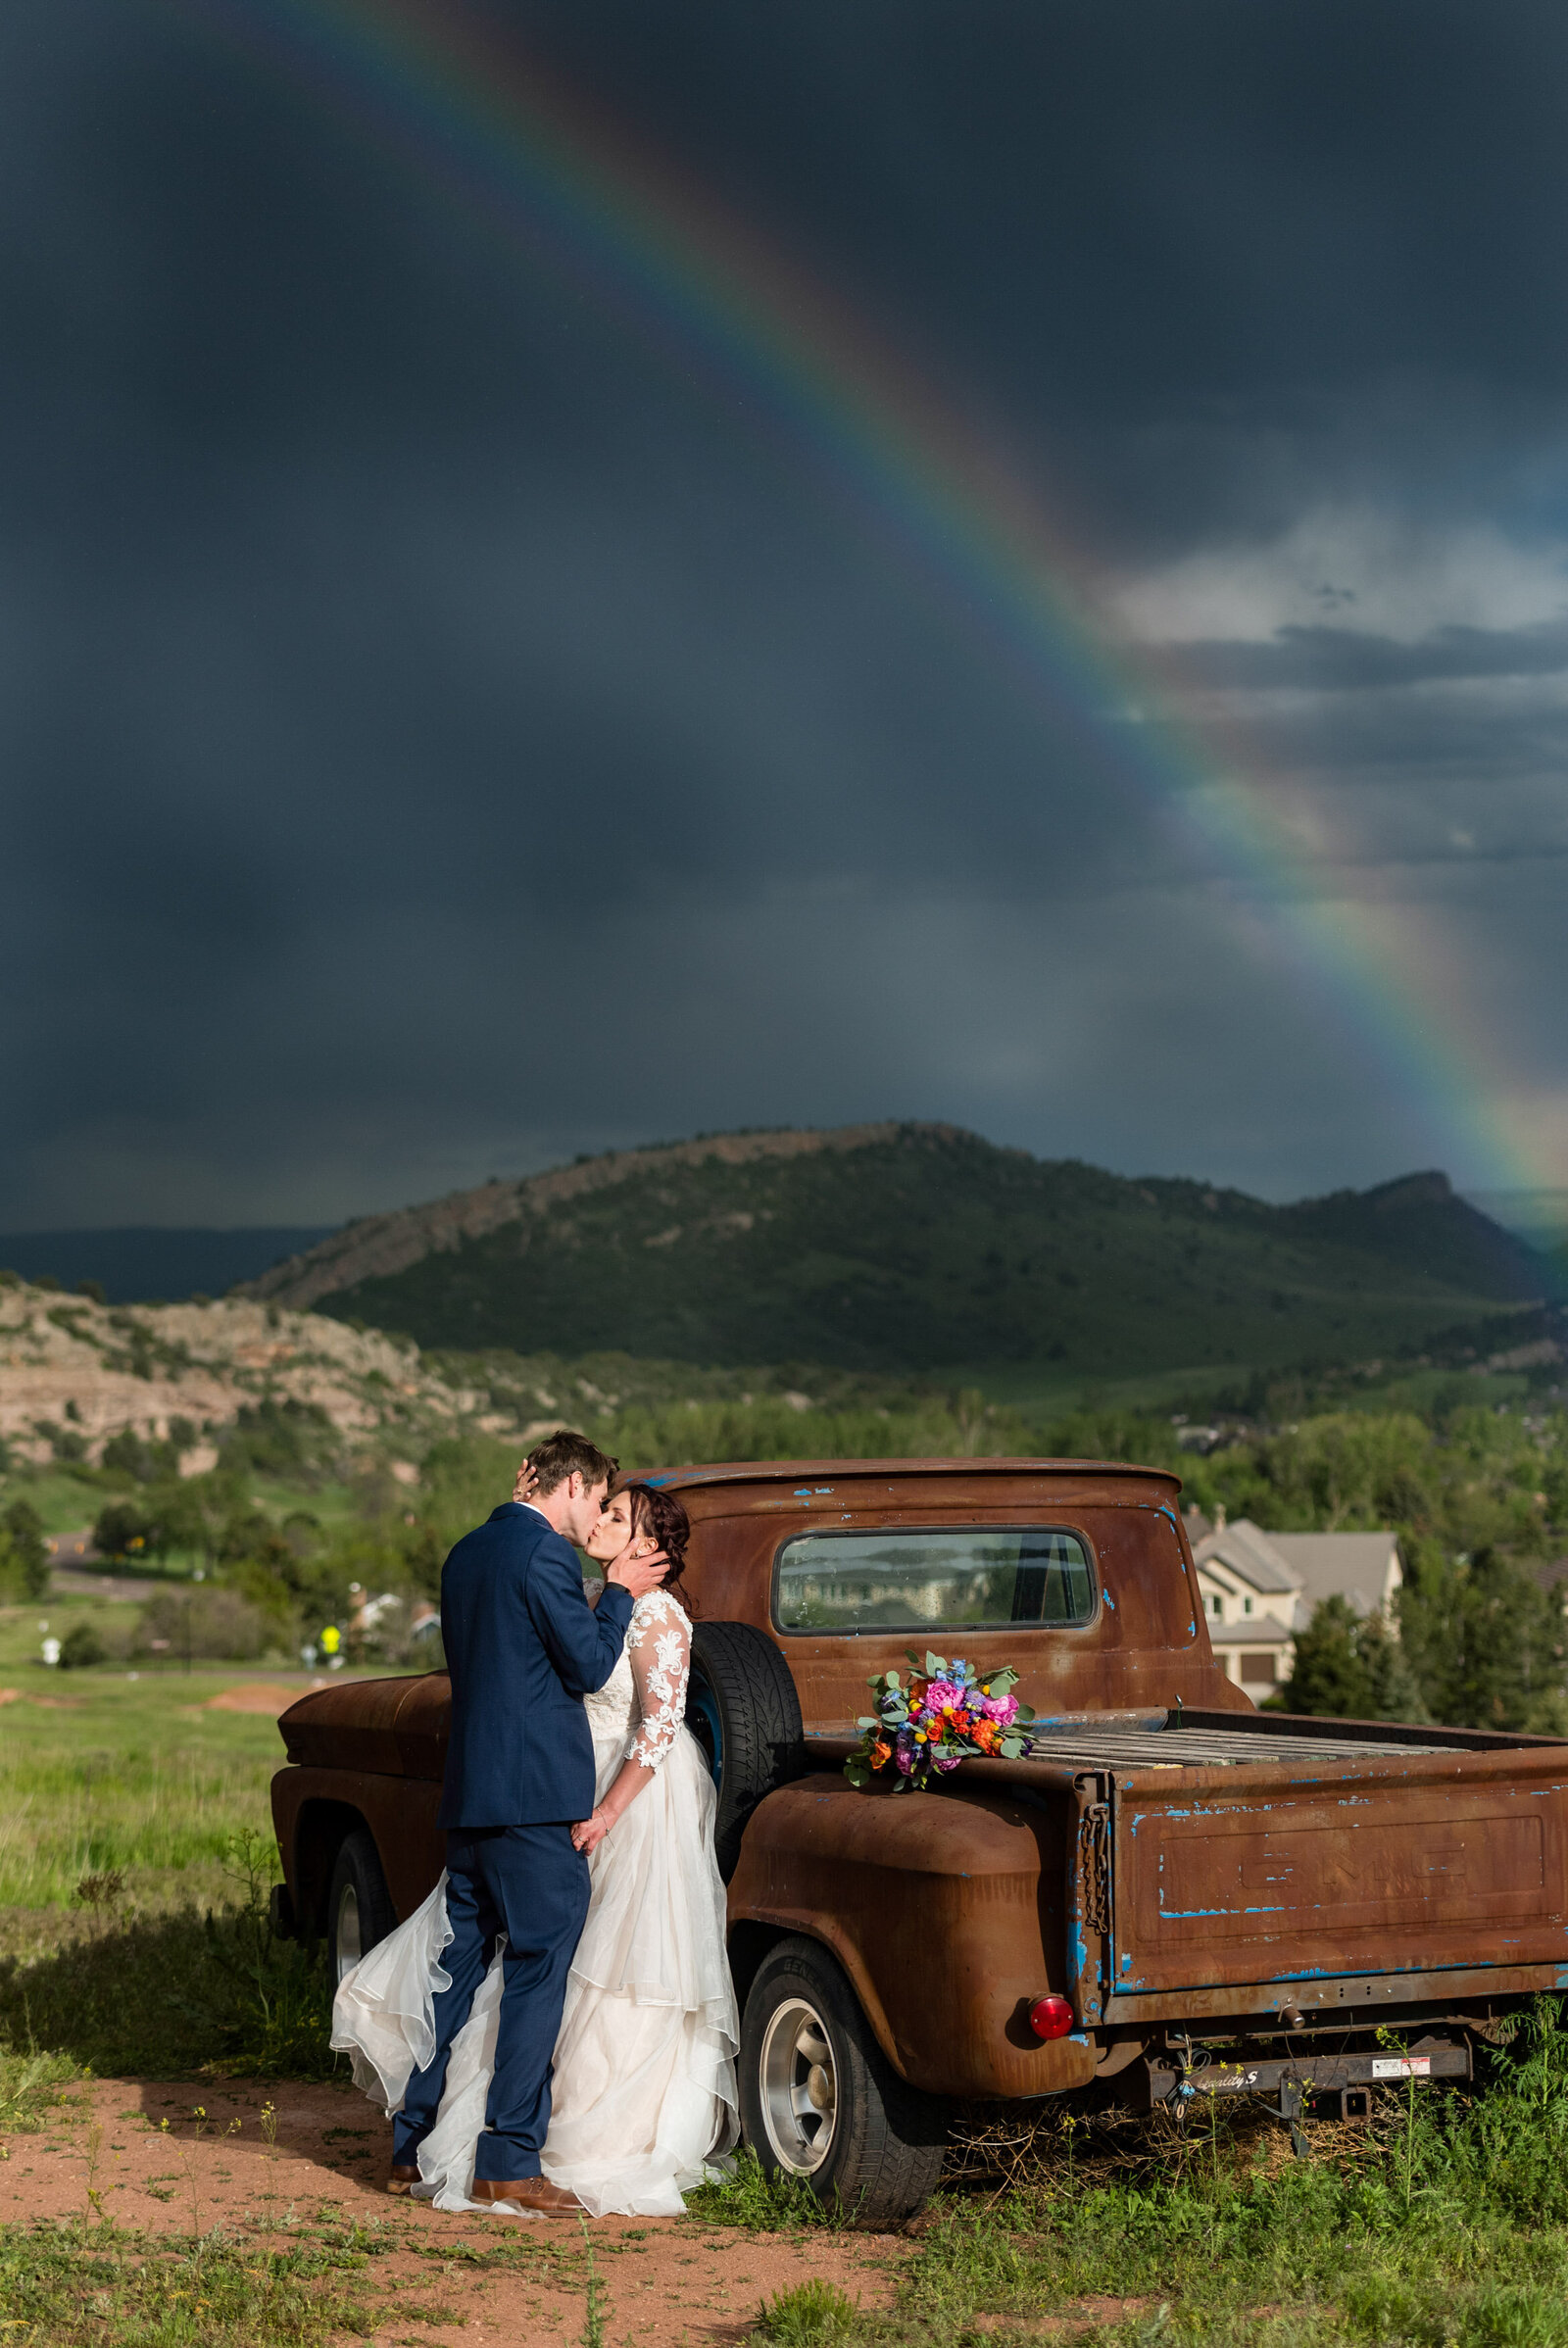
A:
112,1770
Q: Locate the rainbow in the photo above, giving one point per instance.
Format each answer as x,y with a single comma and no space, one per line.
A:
558,176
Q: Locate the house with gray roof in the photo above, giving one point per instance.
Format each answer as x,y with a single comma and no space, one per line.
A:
1259,1588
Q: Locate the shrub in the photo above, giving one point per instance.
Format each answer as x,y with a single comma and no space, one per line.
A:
82,1647
126,1455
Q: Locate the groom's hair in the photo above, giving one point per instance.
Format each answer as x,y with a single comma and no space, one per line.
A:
565,1454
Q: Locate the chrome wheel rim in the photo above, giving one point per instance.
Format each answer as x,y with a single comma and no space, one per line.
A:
799,2083
346,1937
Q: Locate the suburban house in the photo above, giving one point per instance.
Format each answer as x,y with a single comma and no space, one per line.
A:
1259,1588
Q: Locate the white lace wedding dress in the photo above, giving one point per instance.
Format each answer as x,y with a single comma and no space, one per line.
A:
643,2101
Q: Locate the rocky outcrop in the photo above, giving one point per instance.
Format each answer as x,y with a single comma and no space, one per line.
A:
74,1372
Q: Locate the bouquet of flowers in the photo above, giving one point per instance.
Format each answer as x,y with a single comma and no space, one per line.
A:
934,1718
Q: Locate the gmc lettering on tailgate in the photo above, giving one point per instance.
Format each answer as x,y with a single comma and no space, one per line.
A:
1235,1877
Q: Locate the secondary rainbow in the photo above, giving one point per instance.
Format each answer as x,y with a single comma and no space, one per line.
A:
508,138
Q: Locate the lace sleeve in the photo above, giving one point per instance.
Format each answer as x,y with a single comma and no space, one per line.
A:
659,1644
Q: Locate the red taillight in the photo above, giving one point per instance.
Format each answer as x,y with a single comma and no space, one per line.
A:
1051,2018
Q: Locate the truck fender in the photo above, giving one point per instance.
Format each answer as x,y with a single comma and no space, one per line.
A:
946,1914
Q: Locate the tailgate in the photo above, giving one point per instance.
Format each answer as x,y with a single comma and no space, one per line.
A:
1263,1873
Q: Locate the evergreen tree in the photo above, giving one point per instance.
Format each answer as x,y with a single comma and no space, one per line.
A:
24,1550
1348,1668
1487,1641
1326,1676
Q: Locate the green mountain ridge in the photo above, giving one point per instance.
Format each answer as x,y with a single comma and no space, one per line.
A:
915,1248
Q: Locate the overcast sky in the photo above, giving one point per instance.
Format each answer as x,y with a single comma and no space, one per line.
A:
445,726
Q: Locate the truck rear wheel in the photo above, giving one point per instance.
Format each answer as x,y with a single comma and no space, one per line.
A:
359,1906
741,1708
819,2100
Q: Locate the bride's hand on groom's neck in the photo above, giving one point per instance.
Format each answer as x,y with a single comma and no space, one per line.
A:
639,1575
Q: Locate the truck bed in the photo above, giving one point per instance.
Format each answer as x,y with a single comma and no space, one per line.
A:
1231,1865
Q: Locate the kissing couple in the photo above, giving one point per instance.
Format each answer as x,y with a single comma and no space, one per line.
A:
556,2027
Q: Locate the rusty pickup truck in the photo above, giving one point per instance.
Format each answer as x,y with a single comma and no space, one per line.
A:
1174,1894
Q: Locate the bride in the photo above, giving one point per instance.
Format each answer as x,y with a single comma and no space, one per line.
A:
643,2100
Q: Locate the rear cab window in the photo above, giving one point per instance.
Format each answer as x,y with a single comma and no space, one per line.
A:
982,1577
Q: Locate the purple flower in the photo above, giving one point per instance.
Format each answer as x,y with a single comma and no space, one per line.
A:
945,1761
903,1754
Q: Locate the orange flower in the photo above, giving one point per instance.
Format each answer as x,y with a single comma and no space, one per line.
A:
881,1754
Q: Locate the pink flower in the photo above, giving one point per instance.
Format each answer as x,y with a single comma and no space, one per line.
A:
941,1694
1003,1709
945,1761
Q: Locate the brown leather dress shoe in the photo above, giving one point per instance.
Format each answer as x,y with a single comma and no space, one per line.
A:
402,2180
525,2193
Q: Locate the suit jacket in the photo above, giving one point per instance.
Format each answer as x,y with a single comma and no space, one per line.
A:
523,1648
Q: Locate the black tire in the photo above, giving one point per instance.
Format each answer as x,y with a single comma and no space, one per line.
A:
819,2100
359,1906
741,1708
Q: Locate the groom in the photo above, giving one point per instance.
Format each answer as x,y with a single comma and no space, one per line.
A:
523,1648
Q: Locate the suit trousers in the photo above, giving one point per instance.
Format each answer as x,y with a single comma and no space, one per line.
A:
531,1884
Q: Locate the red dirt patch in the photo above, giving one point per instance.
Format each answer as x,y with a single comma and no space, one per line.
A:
261,1695
669,2282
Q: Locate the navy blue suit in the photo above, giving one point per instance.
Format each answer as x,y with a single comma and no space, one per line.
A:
523,1648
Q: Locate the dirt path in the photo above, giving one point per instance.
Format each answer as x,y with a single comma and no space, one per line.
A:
668,2282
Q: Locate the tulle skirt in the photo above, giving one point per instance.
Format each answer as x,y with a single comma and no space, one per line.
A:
643,2101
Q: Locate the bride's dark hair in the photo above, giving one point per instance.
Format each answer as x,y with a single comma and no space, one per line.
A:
658,1516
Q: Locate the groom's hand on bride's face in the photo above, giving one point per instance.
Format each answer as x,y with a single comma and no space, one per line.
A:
639,1575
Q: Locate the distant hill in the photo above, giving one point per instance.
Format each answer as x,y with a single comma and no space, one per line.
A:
911,1248
140,1263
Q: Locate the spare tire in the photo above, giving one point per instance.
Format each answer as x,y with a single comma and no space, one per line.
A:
741,1708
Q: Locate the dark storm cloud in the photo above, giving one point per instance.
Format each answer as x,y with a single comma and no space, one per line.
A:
1338,660
441,732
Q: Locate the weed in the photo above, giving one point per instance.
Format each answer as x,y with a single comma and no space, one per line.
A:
593,2330
750,2197
97,1893
814,2315
30,2085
